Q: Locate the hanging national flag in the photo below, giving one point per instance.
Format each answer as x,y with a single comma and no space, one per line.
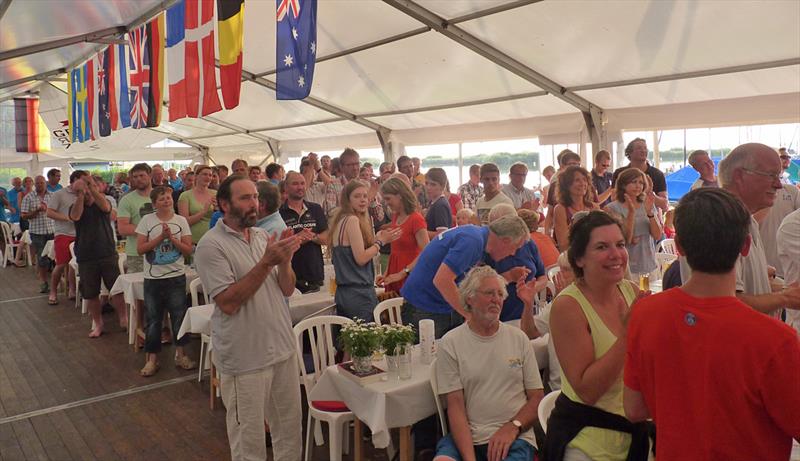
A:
112,90
31,133
146,67
191,56
230,27
296,47
79,127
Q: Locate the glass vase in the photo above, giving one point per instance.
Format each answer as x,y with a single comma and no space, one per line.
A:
362,364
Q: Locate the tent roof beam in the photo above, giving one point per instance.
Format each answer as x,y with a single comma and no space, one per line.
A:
4,4
415,32
688,75
489,52
53,44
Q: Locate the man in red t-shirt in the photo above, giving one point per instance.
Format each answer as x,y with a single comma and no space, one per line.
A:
720,380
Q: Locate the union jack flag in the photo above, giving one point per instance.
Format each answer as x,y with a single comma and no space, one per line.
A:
139,76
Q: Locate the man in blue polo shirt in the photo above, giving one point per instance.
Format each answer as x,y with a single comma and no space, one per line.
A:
431,292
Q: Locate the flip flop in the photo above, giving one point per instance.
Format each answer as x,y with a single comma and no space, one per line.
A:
52,301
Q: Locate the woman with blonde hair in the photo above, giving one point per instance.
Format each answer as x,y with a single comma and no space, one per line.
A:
354,247
634,205
575,194
413,237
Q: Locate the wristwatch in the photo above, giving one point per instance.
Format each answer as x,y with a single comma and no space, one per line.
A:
517,424
406,270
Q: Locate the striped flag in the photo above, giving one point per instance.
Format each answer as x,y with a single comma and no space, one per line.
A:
112,90
146,73
230,27
79,103
191,56
32,134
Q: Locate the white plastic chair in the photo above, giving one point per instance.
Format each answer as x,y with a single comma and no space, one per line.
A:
205,340
437,399
11,246
667,246
546,406
193,291
662,260
320,335
541,297
552,271
392,308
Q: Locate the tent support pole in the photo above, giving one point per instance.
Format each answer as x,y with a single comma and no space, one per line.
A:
4,4
386,145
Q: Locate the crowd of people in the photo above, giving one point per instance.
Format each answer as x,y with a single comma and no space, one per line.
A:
475,262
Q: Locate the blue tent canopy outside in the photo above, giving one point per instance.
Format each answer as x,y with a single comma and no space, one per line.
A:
679,182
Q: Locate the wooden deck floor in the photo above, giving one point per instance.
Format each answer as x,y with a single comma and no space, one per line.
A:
64,396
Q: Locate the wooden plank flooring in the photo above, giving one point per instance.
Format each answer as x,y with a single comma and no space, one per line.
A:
47,360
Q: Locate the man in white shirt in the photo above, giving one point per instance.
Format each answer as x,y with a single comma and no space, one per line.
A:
752,173
488,372
702,163
516,190
492,195
789,253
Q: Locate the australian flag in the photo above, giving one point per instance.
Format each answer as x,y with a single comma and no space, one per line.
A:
296,47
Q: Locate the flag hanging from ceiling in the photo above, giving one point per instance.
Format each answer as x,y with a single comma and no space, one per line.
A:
191,55
230,29
81,97
113,103
295,47
146,73
31,133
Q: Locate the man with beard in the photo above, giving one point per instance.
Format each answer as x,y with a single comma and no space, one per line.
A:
132,207
254,346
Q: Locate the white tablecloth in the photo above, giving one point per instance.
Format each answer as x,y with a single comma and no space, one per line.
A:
49,250
132,288
198,318
385,404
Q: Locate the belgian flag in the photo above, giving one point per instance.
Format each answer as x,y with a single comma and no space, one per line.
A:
230,28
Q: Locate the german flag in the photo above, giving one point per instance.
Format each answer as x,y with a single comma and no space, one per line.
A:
230,29
31,133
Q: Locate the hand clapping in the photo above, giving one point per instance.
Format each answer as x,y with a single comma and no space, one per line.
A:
280,251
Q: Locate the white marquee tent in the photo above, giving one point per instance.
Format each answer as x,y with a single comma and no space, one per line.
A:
408,72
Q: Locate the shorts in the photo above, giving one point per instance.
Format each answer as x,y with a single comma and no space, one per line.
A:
39,241
92,272
520,450
61,247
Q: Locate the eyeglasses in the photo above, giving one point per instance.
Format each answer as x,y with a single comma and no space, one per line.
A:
497,293
772,176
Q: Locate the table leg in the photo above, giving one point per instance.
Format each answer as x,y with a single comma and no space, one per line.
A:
405,443
131,324
358,452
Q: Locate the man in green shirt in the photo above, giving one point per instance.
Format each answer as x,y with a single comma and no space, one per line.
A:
132,207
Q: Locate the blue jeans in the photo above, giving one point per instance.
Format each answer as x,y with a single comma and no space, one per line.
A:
159,295
442,322
520,450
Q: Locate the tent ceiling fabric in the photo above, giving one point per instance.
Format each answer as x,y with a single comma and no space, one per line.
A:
427,88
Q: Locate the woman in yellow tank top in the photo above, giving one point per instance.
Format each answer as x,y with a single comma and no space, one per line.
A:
587,327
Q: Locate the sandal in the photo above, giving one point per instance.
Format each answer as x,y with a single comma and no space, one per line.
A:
185,362
150,368
52,301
